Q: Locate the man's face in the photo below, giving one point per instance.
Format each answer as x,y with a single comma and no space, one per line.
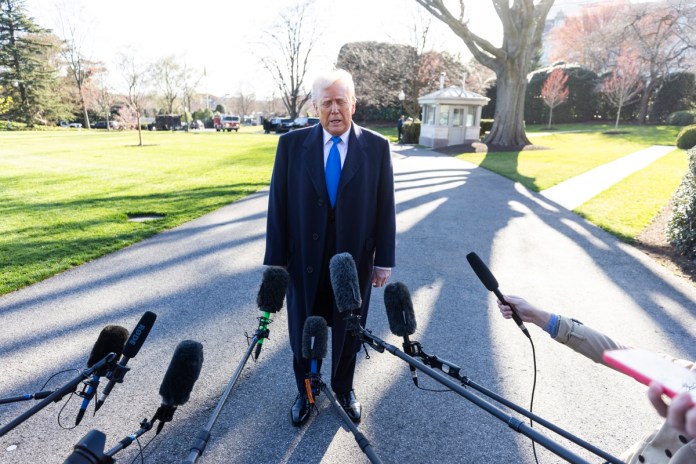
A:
335,109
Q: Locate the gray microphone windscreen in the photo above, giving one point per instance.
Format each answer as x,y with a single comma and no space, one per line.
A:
397,301
183,371
344,280
314,338
274,284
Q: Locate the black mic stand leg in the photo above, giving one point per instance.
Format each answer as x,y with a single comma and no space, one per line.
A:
359,437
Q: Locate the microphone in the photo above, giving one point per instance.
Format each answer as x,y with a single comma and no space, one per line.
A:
111,339
178,381
489,281
344,280
135,342
314,341
270,298
402,320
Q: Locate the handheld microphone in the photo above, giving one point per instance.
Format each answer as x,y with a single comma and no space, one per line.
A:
402,319
135,342
344,280
314,342
178,381
489,281
111,339
270,298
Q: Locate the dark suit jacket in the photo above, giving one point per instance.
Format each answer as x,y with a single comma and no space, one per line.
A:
299,211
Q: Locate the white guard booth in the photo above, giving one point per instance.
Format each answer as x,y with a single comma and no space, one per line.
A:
451,116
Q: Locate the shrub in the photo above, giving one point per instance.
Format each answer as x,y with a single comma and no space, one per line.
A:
686,138
681,228
681,118
486,126
412,131
675,94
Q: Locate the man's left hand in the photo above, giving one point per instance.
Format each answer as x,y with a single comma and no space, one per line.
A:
380,277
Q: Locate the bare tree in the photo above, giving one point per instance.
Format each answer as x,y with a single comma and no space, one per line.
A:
105,100
80,68
555,91
189,81
523,24
624,85
245,102
291,44
167,74
134,78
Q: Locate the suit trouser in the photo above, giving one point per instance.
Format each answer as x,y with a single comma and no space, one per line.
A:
324,303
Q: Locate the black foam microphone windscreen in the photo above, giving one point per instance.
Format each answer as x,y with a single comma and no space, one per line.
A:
274,284
111,339
314,338
344,280
183,371
482,272
397,301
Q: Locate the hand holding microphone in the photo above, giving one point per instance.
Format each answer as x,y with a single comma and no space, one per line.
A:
489,281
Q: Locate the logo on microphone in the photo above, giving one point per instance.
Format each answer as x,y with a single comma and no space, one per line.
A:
136,334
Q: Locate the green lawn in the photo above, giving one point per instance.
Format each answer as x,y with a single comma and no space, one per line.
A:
65,196
626,208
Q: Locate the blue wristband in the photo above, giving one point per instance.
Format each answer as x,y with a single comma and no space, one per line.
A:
552,326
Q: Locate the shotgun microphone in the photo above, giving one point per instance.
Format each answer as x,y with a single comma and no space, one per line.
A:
344,280
314,342
274,284
111,339
402,319
135,342
489,281
178,381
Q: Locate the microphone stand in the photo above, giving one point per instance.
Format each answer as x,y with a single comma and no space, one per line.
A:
69,387
452,370
27,396
201,440
362,441
512,422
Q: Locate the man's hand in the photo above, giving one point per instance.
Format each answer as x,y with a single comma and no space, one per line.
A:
380,277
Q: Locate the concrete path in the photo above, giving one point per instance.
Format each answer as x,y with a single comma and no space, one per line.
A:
201,280
577,190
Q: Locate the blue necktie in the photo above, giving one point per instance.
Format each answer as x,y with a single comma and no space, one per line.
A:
333,170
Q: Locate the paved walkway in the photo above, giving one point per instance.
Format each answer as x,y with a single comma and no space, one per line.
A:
576,191
201,280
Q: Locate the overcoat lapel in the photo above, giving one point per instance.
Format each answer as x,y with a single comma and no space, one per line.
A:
355,158
313,155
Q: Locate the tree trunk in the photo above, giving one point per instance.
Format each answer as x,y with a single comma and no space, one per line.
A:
550,116
140,132
618,115
508,119
645,100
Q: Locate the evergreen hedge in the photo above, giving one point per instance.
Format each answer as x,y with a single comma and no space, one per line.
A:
686,139
681,228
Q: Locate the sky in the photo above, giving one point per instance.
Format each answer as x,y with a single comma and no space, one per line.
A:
225,38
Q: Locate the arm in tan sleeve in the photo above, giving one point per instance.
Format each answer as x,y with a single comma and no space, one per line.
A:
585,340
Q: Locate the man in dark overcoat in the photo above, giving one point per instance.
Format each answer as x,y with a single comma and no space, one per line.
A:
310,221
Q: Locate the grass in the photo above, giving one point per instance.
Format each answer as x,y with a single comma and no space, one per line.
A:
65,196
569,154
626,208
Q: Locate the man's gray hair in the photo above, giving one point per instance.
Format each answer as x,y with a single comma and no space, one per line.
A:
327,79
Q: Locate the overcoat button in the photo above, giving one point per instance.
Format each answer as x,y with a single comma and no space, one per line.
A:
310,269
320,203
315,236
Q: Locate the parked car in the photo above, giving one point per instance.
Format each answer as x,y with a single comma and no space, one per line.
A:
197,124
285,125
76,125
304,122
102,125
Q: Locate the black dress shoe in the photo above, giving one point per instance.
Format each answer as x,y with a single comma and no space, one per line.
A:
299,413
350,405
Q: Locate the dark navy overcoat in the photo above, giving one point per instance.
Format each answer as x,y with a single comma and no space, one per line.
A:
299,211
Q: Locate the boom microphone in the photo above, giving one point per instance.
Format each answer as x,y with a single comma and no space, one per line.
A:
178,381
135,342
489,281
402,320
314,341
272,291
344,280
274,284
111,339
